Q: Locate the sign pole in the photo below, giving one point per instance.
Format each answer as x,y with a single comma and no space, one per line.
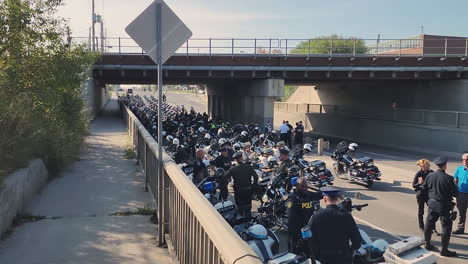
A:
160,120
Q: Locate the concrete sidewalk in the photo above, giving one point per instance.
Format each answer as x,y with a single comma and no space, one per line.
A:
99,184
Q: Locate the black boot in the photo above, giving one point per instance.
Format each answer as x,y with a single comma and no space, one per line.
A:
427,238
445,239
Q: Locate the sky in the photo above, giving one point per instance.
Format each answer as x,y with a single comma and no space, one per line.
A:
300,19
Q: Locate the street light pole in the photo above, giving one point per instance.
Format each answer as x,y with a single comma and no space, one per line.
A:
93,30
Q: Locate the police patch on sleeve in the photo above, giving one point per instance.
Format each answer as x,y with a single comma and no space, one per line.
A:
289,204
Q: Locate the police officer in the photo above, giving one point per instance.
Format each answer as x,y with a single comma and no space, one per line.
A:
242,175
299,134
199,167
286,163
332,229
441,189
461,179
225,162
300,209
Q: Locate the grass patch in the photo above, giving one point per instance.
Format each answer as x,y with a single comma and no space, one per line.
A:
129,153
146,210
26,218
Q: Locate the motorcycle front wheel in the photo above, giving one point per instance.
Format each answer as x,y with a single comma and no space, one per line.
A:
369,183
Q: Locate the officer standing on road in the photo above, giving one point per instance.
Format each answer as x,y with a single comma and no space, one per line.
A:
421,194
332,229
199,167
225,162
242,175
461,179
300,209
286,163
299,134
441,189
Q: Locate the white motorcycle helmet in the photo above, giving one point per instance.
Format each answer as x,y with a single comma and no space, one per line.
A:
257,232
380,244
272,161
244,133
170,138
164,133
207,136
176,141
353,146
307,147
201,129
269,151
262,136
222,141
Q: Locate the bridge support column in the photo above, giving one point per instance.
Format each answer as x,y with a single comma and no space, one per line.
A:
96,96
245,101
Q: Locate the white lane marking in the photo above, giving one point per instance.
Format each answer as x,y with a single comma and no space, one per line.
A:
378,228
383,155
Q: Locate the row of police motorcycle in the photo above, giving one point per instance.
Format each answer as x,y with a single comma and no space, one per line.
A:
273,189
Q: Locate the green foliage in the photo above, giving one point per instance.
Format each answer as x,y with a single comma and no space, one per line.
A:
129,153
288,91
334,43
41,109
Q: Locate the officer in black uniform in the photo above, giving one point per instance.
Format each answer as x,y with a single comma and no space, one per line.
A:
441,189
199,168
299,134
286,163
225,162
242,175
332,229
300,209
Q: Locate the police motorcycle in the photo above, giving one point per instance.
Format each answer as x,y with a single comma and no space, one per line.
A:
315,172
370,251
361,170
275,197
209,186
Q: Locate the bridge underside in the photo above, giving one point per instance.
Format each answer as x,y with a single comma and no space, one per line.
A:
244,87
133,69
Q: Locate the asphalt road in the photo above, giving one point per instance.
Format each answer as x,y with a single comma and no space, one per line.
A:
392,210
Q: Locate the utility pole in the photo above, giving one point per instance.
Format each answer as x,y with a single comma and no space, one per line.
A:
102,35
93,30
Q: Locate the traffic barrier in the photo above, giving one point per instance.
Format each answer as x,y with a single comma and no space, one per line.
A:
187,221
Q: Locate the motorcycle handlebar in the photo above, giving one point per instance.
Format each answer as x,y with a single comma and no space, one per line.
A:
360,206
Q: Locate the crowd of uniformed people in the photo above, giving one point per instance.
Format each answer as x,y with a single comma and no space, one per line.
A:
186,133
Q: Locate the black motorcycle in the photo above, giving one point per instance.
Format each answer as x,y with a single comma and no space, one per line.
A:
361,170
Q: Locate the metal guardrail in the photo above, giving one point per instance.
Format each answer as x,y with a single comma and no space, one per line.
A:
195,231
445,47
451,119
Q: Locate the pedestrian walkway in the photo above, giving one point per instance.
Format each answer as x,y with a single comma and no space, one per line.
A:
82,200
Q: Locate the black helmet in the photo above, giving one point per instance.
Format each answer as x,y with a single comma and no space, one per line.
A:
220,172
294,170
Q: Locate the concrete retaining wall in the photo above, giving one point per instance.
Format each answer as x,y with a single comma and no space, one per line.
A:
18,189
397,135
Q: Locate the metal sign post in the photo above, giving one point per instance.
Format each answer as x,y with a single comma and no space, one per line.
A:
159,32
160,120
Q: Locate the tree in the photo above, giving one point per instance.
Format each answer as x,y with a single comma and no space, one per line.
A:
333,43
41,107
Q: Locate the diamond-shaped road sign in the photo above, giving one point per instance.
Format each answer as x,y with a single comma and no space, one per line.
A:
173,31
